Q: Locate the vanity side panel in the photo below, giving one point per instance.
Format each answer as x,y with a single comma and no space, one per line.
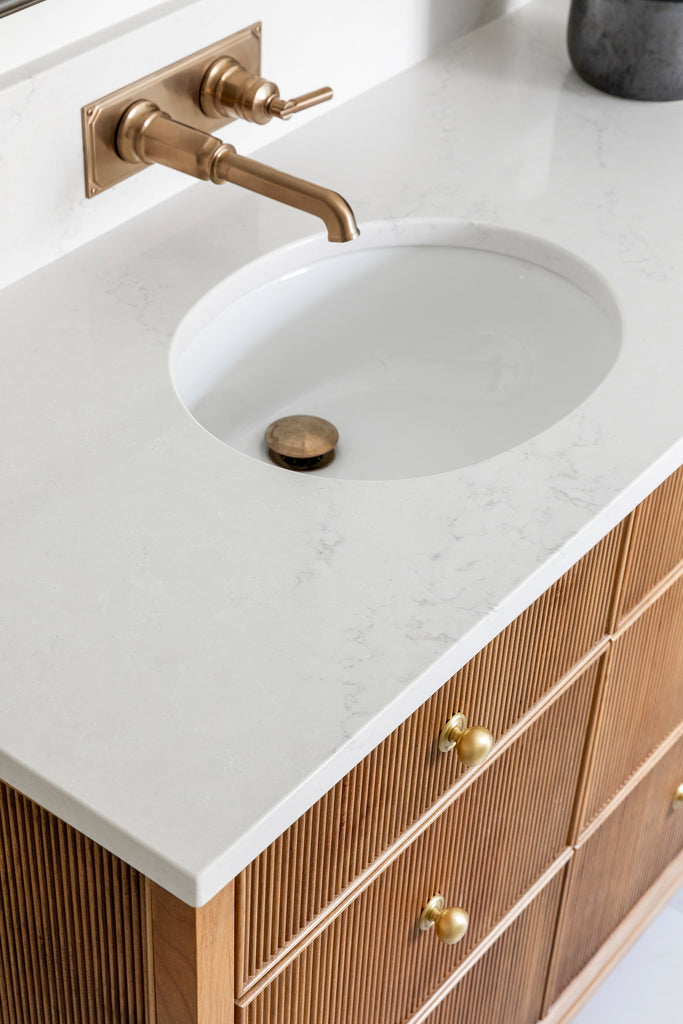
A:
74,926
656,545
367,811
642,699
616,865
370,964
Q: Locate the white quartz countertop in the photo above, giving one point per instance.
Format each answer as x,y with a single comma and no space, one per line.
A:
195,646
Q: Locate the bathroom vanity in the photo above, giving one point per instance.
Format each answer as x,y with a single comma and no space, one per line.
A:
561,845
225,685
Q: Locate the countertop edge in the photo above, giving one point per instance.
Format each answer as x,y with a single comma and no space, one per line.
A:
197,890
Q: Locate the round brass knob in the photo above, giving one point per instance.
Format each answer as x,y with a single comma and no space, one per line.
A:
450,923
473,745
677,801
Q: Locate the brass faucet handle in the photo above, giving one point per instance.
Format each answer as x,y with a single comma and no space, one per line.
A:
285,108
229,90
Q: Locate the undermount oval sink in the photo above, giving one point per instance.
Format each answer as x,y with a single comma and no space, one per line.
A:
430,345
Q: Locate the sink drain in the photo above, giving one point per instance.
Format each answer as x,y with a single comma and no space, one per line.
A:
301,443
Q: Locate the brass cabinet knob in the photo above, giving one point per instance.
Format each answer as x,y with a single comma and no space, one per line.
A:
473,745
450,923
677,801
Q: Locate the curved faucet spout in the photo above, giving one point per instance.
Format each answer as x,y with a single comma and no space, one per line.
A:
146,134
332,208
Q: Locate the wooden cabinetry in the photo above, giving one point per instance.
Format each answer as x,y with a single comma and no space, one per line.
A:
74,928
559,846
655,547
616,863
376,804
506,983
483,852
641,699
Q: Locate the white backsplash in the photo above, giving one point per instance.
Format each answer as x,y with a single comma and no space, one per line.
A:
61,54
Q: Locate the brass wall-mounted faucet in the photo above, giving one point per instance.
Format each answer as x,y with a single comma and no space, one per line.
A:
147,135
168,118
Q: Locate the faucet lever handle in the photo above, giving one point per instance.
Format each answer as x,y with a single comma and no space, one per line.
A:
285,108
229,90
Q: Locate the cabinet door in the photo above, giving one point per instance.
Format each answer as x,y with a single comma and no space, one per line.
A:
642,699
617,864
371,964
656,545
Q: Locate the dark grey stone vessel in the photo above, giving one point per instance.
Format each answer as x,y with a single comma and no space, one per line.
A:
631,48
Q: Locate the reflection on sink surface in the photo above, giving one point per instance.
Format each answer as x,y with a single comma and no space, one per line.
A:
431,345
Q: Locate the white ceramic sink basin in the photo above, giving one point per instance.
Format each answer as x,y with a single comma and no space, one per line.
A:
431,345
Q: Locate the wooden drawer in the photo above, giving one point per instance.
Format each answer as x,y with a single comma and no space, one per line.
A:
642,698
656,545
371,964
616,865
506,985
366,812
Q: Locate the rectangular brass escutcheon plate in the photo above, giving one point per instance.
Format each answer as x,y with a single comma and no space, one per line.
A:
175,89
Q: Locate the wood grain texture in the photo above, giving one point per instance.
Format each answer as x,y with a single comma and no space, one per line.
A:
506,985
616,864
73,925
333,843
371,964
193,958
642,698
656,544
579,991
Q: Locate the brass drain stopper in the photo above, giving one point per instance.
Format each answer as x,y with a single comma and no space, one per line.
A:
301,442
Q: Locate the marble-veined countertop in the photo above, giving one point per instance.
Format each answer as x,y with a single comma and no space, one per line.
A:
195,646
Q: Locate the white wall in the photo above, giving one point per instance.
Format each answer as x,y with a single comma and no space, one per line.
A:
37,31
62,54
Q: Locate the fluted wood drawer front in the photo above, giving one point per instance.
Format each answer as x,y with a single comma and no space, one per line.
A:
506,986
352,825
617,864
656,545
642,700
372,964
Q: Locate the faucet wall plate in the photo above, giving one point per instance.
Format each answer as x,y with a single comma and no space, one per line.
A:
175,89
